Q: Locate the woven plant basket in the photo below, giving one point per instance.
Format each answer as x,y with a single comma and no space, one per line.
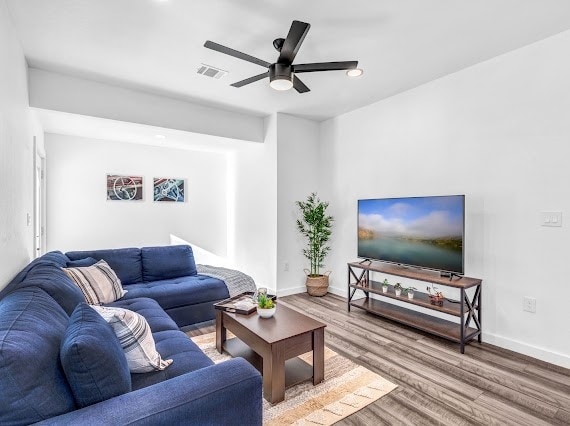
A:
317,286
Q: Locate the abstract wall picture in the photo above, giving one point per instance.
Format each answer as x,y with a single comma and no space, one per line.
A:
124,188
169,189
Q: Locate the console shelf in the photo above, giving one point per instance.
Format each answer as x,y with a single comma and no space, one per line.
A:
462,333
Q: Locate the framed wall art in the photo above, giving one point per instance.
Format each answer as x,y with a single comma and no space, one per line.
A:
124,188
168,189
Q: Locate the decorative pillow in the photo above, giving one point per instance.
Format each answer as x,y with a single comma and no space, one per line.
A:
136,339
93,359
98,282
86,261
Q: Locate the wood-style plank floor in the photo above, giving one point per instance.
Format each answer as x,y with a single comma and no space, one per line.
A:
437,385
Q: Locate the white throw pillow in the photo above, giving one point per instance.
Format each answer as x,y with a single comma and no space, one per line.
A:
98,283
133,332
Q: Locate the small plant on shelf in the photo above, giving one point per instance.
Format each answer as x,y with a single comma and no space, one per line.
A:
398,289
265,306
410,292
385,286
435,296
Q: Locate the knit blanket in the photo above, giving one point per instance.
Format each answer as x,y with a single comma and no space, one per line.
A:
237,282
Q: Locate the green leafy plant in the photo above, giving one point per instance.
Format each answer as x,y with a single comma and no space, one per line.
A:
410,289
385,283
265,302
315,225
398,286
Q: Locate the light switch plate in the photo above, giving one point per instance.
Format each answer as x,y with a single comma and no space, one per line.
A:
552,219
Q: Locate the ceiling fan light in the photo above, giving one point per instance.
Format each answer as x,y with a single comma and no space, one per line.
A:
355,72
281,83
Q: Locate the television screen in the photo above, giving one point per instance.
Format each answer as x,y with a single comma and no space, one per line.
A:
426,232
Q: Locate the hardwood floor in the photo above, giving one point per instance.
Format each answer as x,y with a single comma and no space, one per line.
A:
437,385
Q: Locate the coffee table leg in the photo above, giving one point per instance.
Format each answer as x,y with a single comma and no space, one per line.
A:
274,375
220,331
318,356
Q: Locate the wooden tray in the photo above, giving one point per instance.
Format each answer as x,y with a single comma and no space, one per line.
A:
228,305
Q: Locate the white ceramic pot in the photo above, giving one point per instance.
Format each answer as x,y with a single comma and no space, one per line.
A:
384,289
266,313
410,294
398,292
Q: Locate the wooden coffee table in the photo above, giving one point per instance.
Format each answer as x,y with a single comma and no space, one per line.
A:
272,345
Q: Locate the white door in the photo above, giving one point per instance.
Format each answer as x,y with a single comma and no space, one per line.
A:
39,231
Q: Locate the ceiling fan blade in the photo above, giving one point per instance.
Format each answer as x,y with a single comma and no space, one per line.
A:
292,43
325,66
249,80
235,53
299,85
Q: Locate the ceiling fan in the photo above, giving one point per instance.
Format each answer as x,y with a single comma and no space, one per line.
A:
282,73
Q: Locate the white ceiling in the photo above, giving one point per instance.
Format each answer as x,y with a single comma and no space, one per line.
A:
157,45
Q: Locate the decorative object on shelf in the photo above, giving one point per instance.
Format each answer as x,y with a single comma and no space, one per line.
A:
265,306
435,296
398,289
315,225
124,188
385,286
168,189
410,292
364,281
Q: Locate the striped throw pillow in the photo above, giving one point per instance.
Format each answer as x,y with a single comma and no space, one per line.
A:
133,332
98,282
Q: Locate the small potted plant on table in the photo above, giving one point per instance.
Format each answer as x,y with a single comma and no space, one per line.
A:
410,292
265,306
398,289
385,286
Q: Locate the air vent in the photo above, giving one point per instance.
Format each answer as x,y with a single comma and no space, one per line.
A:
210,71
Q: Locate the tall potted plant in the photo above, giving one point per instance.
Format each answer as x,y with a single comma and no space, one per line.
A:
315,225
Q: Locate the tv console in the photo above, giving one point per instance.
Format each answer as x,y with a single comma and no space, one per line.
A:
462,332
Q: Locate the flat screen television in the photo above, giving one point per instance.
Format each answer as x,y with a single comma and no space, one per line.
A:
424,232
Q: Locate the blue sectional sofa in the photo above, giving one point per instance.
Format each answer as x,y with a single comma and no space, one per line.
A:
35,311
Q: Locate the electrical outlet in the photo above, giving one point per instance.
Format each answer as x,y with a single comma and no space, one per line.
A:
553,219
529,304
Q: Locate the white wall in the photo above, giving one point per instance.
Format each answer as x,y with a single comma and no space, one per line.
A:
80,217
499,133
58,92
298,168
17,129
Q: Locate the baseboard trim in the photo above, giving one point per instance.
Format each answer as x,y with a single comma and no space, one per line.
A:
557,358
302,289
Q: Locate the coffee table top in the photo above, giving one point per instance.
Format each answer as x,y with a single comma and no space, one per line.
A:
286,323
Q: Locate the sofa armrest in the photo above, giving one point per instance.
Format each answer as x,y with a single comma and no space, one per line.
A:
227,393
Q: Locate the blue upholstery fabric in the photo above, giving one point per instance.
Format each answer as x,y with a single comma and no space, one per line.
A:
186,357
181,291
126,262
33,386
188,315
93,359
228,393
162,263
81,263
157,319
55,282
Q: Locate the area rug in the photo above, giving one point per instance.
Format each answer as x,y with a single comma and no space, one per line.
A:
347,388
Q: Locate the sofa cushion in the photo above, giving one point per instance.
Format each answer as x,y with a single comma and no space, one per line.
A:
126,262
157,319
93,359
182,291
87,261
186,356
33,386
98,283
136,339
49,276
161,263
